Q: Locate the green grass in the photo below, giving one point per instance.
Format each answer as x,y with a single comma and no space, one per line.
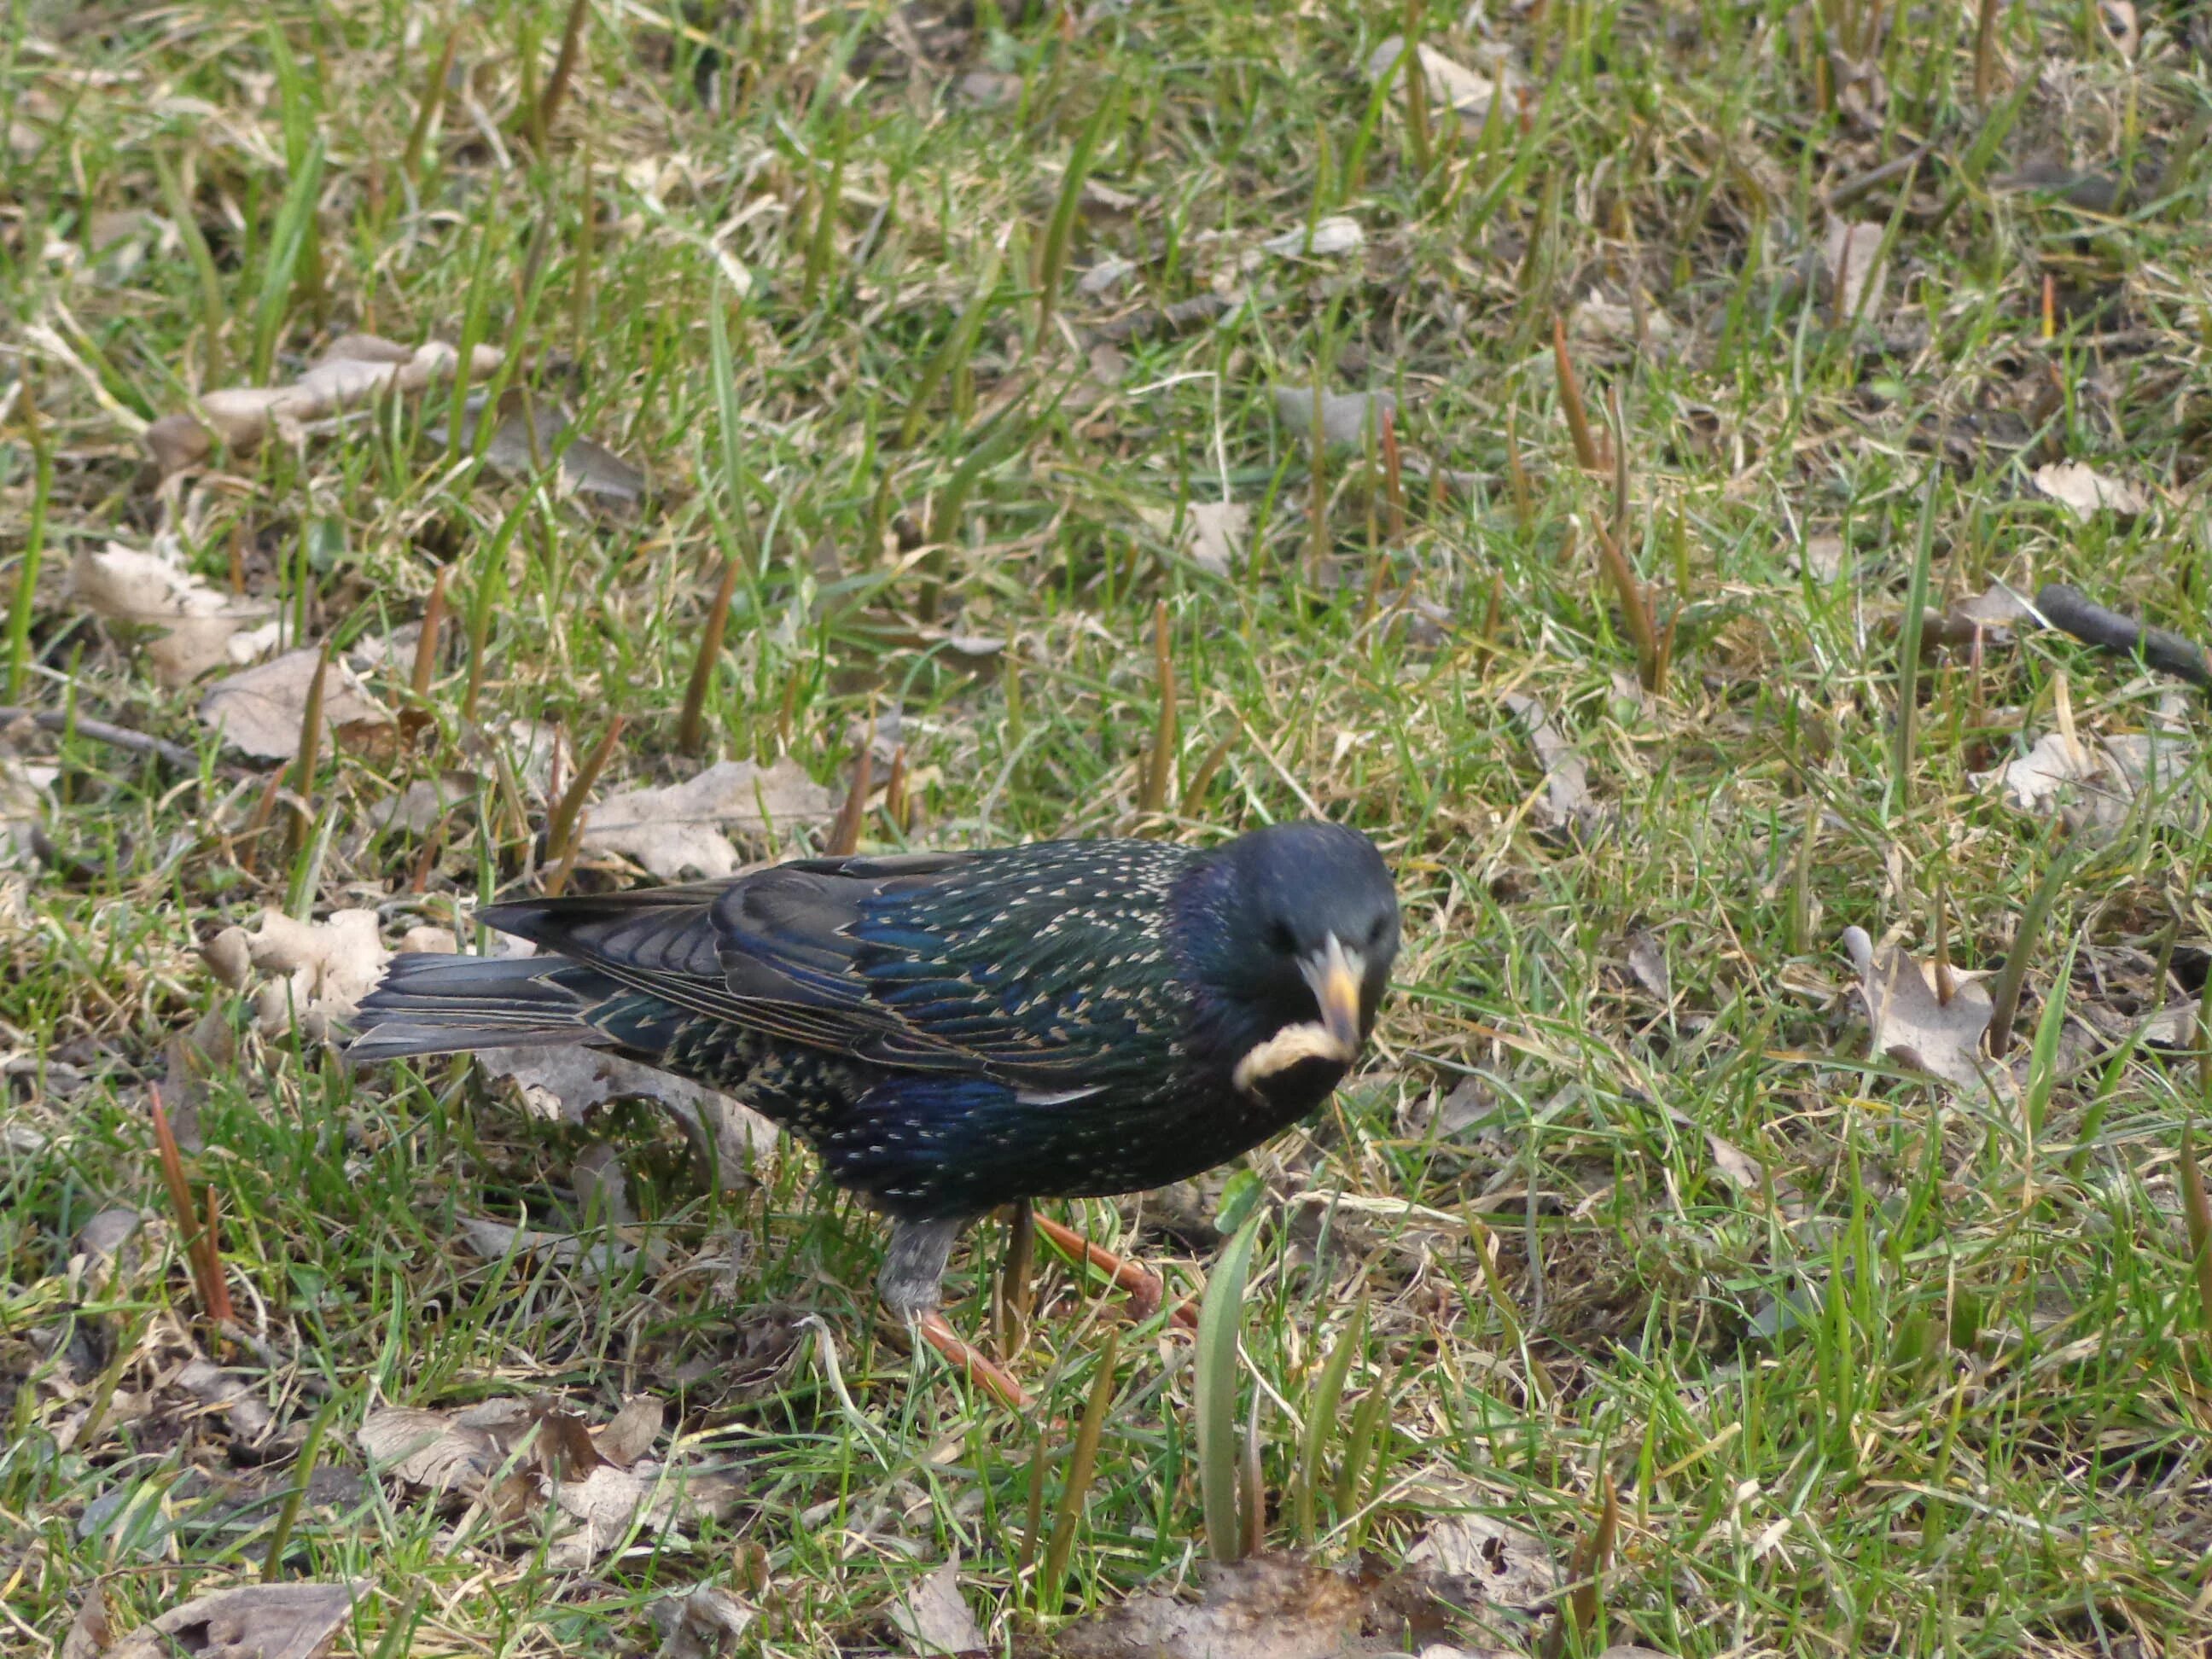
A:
1937,1380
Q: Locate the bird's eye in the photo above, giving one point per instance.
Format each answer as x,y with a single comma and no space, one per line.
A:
1381,927
1280,940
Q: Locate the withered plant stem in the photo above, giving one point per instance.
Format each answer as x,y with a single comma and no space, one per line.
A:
691,727
564,67
845,834
1571,400
1159,771
561,829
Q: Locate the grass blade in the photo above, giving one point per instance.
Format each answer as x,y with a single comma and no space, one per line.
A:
1220,1325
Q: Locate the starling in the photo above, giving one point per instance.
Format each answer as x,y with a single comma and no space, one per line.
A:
955,1031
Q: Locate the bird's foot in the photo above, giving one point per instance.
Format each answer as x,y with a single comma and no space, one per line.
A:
1144,1287
980,1368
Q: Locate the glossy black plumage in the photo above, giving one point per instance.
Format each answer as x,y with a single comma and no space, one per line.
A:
954,1032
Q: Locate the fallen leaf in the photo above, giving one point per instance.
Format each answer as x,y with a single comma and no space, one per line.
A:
218,1390
2088,492
1819,556
1647,960
323,969
253,1621
528,436
1451,85
1910,1024
677,832
2095,785
90,1633
1853,271
24,799
1338,234
564,1085
357,370
260,712
1567,800
1266,1606
1215,535
630,1434
1348,419
200,627
700,1622
424,803
494,1241
1106,275
934,1618
1735,1165
2120,17
1507,1567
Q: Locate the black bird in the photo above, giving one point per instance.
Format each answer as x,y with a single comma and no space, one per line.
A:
954,1032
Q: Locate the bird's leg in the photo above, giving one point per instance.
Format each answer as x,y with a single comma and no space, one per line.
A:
911,1283
1144,1286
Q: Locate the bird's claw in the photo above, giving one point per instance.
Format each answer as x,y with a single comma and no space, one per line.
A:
995,1380
1145,1288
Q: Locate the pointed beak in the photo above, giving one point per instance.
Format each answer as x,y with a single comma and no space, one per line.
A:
1336,975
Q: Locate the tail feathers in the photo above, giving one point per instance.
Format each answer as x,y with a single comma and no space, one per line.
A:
435,1004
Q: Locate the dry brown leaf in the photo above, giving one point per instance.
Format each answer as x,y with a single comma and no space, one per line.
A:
253,1621
1910,1024
1451,85
1853,271
1647,961
1735,1165
1338,234
550,1459
1819,556
90,1633
933,1617
528,437
1348,419
700,1622
24,799
1215,534
677,832
2088,492
1266,1606
323,970
1510,1568
494,1241
201,628
260,711
2120,17
2095,785
565,1085
631,1433
356,370
1567,800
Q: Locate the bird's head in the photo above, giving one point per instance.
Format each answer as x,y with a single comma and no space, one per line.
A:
1299,929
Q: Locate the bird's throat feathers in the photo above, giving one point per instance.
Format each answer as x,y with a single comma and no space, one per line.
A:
1256,1031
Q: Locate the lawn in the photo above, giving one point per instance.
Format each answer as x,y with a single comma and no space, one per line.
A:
1615,467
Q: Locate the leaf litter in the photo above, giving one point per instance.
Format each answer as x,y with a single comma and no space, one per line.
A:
261,711
265,1621
677,832
356,371
1912,1023
196,626
533,1461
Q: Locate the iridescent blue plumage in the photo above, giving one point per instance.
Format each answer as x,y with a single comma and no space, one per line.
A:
955,1031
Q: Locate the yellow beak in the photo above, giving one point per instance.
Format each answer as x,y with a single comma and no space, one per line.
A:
1336,975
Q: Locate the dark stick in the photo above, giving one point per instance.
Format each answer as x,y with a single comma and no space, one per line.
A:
2069,608
119,737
